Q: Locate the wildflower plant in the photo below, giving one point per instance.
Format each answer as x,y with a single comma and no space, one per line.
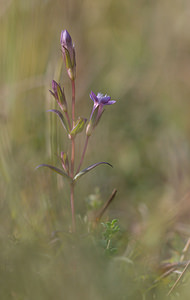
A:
74,126
110,230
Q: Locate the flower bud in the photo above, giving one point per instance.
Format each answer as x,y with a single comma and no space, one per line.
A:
68,52
59,95
65,161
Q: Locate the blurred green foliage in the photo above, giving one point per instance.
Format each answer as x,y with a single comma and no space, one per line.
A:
137,52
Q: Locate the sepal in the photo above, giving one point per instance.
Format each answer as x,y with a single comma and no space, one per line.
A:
94,120
78,127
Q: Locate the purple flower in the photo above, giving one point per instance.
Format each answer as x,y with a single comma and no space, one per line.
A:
99,101
68,52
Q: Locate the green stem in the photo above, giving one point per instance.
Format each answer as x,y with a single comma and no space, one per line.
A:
108,244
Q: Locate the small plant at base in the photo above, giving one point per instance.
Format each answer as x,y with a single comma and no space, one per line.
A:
72,126
111,228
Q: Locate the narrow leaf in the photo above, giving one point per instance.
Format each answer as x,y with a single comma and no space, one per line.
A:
81,173
60,115
55,169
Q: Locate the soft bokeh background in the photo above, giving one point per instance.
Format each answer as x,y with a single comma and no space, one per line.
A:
139,53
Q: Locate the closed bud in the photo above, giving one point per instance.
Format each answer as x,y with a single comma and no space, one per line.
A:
68,52
65,161
59,95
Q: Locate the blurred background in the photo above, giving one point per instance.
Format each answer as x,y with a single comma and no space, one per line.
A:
138,52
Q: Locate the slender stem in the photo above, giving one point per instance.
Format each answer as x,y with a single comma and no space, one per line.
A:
185,269
73,159
73,102
73,123
83,154
105,206
73,208
68,120
108,244
72,156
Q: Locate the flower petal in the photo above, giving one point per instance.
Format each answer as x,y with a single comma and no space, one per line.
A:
110,102
105,100
66,40
94,97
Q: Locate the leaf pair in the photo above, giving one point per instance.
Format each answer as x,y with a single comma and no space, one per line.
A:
78,175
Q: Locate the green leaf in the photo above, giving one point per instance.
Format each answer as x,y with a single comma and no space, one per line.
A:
60,115
91,167
79,126
55,169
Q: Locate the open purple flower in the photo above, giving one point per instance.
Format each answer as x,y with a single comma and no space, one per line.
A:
99,101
